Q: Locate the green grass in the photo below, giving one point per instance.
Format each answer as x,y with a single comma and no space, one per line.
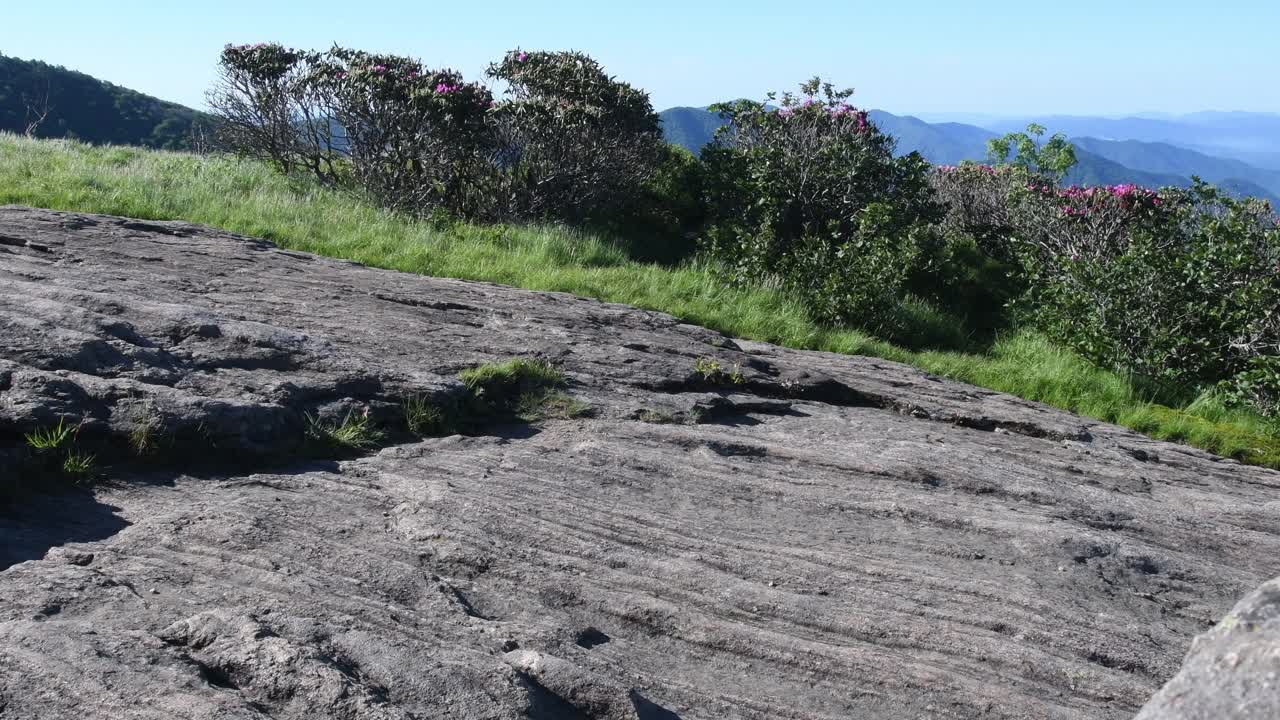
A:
77,465
355,432
52,438
248,198
423,418
523,388
511,374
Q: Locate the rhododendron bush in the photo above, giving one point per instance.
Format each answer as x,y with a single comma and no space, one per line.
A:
567,142
809,196
1180,286
577,144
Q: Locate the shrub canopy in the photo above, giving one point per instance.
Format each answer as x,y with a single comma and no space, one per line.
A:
809,196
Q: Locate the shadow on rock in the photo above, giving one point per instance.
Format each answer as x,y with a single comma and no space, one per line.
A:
649,710
50,522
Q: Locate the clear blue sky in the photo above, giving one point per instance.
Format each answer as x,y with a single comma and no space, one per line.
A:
962,56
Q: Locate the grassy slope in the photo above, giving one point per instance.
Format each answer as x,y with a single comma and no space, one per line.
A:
248,198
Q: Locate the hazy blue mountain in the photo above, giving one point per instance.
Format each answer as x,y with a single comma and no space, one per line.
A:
689,127
1171,159
1247,136
941,143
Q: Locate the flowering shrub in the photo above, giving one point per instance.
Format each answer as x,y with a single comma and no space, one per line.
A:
271,109
576,143
810,197
418,139
412,138
1180,286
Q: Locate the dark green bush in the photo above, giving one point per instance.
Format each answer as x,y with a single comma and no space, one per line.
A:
576,144
414,139
663,221
811,198
1180,287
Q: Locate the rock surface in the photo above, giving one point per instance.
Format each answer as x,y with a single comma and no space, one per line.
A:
830,537
1232,671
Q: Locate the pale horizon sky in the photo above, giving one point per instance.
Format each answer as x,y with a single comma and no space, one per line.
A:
992,57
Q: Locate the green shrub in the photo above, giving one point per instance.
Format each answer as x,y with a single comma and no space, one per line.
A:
1180,287
1049,160
810,198
663,221
576,144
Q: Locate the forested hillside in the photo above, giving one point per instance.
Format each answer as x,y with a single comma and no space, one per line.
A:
55,102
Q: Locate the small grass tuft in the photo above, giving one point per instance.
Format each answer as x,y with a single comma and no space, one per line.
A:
712,372
535,406
355,432
50,439
78,465
423,418
142,436
524,388
511,374
658,417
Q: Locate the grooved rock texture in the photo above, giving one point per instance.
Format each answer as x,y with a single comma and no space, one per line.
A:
1232,671
830,537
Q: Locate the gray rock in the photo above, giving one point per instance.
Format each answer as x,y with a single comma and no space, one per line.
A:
832,537
1233,670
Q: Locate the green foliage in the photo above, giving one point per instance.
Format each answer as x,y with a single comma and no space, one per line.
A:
959,275
75,105
1051,159
1257,386
425,419
524,388
713,373
576,144
1181,289
810,198
248,198
664,220
77,466
52,438
355,432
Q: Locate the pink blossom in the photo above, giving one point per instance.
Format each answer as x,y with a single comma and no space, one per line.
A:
522,56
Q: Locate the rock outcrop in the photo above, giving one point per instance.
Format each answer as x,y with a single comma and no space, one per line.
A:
795,535
1232,671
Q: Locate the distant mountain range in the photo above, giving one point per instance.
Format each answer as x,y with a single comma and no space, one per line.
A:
1101,161
1251,137
83,107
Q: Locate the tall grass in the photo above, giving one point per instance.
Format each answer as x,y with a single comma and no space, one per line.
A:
248,198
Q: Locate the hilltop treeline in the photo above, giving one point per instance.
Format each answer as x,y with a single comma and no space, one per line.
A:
49,101
1179,287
